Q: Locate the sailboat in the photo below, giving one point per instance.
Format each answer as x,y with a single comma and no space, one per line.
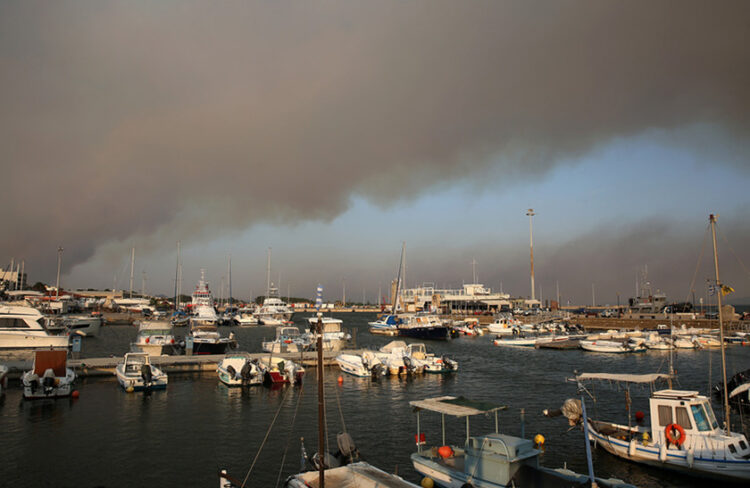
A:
683,433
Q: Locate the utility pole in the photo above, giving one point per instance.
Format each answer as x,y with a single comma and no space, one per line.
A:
59,262
531,214
474,270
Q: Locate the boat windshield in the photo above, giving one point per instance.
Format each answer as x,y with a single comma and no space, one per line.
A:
711,417
701,420
154,332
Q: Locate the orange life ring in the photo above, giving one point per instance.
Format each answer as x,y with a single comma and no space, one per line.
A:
669,432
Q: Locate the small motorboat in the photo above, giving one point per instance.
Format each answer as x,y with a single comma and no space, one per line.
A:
288,339
240,370
612,346
280,370
685,343
364,366
136,373
516,341
50,377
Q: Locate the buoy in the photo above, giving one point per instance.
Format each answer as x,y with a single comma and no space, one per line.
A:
539,440
341,380
427,482
445,451
75,394
639,416
646,438
130,389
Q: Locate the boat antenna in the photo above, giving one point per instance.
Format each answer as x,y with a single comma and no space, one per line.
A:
321,402
720,290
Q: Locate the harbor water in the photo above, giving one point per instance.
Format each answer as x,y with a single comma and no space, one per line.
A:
184,435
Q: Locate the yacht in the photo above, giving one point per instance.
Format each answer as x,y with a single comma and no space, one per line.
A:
422,326
334,337
204,312
288,339
26,328
154,338
273,311
85,325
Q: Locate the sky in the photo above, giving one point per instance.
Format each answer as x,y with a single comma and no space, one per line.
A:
333,131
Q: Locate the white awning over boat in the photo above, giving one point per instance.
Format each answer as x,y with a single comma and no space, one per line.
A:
456,406
625,378
739,389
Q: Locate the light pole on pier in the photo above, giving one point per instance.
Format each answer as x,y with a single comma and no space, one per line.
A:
531,214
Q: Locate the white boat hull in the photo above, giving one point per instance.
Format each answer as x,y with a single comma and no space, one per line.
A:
33,386
32,340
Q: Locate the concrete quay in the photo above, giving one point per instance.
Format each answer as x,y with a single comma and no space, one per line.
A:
94,367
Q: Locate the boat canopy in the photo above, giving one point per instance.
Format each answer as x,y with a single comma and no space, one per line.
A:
456,406
624,378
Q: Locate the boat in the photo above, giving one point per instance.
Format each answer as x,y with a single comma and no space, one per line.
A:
288,339
611,346
739,390
136,373
274,311
84,325
26,328
155,338
203,311
493,460
386,324
656,342
685,343
245,317
682,433
422,326
49,377
205,339
707,341
3,379
431,363
279,370
354,475
365,365
503,326
334,337
240,369
517,341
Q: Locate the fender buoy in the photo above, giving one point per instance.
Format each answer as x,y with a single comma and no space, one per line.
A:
670,431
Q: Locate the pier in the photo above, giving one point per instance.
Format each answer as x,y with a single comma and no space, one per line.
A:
95,367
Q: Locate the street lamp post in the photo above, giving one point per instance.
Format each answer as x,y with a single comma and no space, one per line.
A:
531,214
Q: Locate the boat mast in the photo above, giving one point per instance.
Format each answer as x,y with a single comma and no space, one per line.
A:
398,280
268,274
132,265
59,261
230,280
321,402
712,219
176,277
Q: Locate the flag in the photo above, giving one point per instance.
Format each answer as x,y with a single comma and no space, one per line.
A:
726,290
319,298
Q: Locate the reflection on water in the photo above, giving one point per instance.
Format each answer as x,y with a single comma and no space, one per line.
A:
182,435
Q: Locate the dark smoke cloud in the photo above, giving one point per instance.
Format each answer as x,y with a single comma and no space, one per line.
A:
165,119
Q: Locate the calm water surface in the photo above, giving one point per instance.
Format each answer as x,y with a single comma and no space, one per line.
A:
182,436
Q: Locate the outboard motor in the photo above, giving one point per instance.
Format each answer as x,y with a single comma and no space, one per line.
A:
449,363
348,452
231,371
246,372
409,365
146,374
48,381
571,410
376,370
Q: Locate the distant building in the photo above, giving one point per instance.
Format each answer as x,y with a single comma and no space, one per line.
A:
471,298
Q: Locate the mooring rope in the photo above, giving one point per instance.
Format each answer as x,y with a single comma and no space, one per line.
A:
289,436
268,432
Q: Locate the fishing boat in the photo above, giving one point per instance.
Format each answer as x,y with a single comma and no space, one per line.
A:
154,338
493,460
49,377
26,328
365,365
240,369
288,339
136,373
683,434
